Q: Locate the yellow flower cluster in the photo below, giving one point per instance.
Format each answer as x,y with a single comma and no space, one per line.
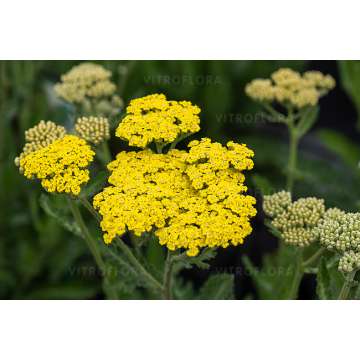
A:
93,129
61,166
39,136
190,199
154,118
296,221
86,80
288,87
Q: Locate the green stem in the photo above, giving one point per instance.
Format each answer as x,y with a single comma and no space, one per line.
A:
167,277
299,272
159,147
105,154
294,141
345,290
176,141
91,243
137,265
313,258
151,280
276,116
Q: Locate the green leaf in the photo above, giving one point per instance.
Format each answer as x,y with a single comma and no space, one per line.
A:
307,120
323,281
262,183
52,208
350,80
201,260
341,145
274,279
218,287
183,290
329,279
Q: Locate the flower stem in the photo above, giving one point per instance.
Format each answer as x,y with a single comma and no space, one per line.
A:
90,241
105,154
125,249
294,141
167,277
345,290
313,258
299,272
150,279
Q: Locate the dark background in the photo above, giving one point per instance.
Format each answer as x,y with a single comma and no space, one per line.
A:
40,260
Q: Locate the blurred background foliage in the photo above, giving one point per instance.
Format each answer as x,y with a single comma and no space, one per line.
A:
39,259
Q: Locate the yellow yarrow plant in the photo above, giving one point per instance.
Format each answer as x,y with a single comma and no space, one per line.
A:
61,166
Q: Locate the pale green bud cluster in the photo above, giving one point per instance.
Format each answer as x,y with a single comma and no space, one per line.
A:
276,204
39,136
340,231
83,81
93,129
288,87
306,220
297,220
349,262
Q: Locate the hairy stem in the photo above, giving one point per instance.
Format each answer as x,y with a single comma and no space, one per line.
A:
104,153
125,249
313,258
150,279
91,243
292,161
167,277
299,272
345,290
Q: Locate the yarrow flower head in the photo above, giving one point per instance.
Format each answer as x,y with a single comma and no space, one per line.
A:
306,220
93,129
296,220
153,118
40,136
189,199
85,81
340,231
288,87
61,166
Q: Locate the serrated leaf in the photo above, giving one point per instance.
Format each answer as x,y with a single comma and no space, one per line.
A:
277,274
126,276
218,287
201,260
329,279
183,290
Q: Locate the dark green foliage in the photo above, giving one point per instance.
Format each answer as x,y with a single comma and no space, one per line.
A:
218,287
276,275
